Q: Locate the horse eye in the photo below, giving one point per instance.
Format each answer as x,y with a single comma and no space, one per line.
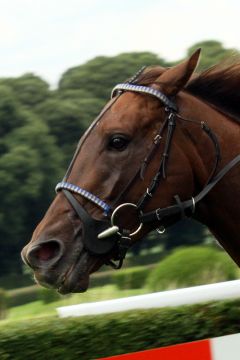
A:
118,142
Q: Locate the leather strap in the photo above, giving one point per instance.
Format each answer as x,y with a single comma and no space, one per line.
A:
161,214
92,228
171,123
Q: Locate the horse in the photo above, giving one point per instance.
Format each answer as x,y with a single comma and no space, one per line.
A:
166,146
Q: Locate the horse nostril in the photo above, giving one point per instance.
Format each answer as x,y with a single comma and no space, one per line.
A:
48,251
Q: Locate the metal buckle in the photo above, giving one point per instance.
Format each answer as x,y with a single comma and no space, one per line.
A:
193,205
157,139
114,214
157,215
161,230
148,192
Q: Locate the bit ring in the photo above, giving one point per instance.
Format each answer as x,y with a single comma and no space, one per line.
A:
135,232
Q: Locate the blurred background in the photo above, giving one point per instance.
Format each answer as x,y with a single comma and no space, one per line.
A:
59,62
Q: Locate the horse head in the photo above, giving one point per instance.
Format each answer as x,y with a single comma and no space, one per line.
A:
126,165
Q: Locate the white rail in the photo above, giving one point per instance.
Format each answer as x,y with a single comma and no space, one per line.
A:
193,295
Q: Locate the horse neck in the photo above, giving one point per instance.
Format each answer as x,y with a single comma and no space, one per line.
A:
220,209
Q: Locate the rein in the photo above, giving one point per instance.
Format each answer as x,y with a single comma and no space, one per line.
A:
107,237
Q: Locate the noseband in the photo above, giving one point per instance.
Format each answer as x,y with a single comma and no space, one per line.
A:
107,237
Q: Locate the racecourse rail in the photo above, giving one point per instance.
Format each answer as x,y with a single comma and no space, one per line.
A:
220,348
186,296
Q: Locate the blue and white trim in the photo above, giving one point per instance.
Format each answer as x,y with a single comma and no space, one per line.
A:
145,90
84,193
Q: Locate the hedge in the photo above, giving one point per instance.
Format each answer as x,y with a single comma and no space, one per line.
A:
3,304
31,293
191,266
102,277
14,281
23,295
48,296
94,337
132,278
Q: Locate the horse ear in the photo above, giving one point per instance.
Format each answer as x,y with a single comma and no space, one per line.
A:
175,78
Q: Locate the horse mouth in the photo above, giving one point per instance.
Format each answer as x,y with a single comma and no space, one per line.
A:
70,273
76,279
68,284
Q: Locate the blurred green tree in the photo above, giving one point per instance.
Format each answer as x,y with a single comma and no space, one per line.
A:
28,89
98,76
30,164
67,119
10,118
213,52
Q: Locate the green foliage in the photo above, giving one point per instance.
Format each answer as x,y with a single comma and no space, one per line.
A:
30,294
132,278
183,232
29,167
213,53
28,89
23,295
3,304
101,278
99,75
192,266
14,281
146,257
10,118
93,337
67,119
48,295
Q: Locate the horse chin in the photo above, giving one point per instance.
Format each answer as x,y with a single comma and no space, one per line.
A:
76,279
72,286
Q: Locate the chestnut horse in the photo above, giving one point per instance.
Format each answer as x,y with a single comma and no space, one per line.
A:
164,147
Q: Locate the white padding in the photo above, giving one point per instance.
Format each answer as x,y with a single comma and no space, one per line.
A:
193,295
226,347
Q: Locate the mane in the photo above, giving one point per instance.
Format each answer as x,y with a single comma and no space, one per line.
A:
219,85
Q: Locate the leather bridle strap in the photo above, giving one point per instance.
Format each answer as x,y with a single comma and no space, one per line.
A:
171,124
92,228
161,214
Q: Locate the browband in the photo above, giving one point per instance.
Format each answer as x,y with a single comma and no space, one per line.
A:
145,90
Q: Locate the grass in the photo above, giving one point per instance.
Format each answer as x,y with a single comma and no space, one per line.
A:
39,309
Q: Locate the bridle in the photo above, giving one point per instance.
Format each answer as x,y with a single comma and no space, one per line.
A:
107,237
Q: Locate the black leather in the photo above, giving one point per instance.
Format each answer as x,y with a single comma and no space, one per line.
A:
91,229
188,206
